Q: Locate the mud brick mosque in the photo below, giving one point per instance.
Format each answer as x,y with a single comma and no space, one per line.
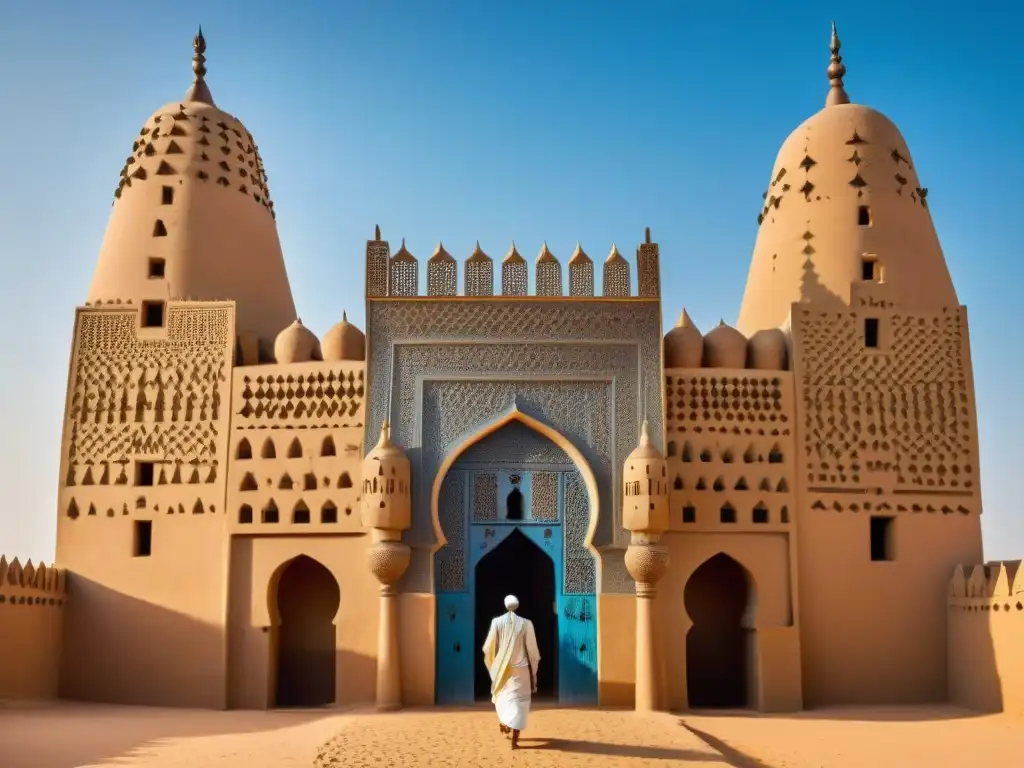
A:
778,515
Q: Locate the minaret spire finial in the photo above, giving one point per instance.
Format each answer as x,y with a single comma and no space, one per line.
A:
199,91
836,70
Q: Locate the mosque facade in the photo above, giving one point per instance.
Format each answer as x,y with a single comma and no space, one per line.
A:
765,516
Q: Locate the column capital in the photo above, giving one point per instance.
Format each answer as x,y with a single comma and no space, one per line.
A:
646,562
388,560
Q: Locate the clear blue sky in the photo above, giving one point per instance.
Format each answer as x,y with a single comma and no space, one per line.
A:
525,120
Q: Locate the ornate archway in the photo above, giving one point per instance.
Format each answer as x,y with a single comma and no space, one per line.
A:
556,437
482,493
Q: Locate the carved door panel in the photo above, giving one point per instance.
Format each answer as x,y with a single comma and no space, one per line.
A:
455,648
577,649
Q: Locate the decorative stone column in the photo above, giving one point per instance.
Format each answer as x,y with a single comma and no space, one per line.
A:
645,515
387,510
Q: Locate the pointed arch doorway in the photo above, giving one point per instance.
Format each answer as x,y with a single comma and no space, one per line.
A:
717,598
307,597
515,476
517,566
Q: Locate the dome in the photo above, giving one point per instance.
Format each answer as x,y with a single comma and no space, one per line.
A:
725,347
684,344
193,219
344,342
767,350
645,449
296,344
844,205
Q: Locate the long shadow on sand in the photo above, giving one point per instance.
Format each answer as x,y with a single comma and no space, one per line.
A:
614,750
734,757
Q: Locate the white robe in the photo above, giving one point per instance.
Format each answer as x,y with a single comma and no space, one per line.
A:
510,652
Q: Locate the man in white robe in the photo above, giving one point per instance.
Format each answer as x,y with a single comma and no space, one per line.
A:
512,657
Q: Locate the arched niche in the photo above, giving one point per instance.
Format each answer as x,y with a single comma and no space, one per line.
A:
718,597
556,437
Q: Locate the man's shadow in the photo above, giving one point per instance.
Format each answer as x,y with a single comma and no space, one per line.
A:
614,750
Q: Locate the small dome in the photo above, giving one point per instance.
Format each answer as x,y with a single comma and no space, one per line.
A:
296,344
344,342
684,344
645,450
725,347
767,350
579,256
386,451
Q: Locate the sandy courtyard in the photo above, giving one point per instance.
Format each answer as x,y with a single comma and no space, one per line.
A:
98,736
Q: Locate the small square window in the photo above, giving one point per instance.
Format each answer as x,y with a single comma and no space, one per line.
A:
760,514
868,269
882,529
152,314
142,545
145,472
689,514
871,333
863,216
157,268
727,514
167,195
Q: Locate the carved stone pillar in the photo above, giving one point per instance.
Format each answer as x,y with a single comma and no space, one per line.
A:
647,562
388,558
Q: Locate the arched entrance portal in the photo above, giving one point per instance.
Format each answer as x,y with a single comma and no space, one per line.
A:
716,599
307,601
518,567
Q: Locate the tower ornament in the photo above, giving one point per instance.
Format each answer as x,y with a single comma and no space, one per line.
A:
836,70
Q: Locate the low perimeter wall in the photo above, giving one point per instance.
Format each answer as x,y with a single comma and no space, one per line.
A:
32,601
986,637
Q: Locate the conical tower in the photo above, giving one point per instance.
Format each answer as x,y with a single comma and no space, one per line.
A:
193,219
844,205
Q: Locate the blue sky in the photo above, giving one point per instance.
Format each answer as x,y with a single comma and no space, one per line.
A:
464,120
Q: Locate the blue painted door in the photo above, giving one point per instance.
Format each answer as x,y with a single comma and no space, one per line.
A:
577,650
456,653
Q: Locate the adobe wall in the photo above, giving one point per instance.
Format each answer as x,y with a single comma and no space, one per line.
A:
986,632
731,465
885,432
145,445
32,600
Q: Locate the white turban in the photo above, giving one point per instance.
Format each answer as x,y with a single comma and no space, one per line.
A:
511,602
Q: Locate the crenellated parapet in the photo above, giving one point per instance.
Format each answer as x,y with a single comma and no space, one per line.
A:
31,584
398,275
996,586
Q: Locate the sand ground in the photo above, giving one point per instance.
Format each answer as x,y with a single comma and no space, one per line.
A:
67,735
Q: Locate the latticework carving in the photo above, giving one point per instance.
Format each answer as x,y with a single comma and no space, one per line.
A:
160,397
580,568
581,278
648,270
515,275
451,559
491,321
378,253
566,384
544,505
549,278
479,274
515,444
442,274
485,496
404,279
898,419
616,276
